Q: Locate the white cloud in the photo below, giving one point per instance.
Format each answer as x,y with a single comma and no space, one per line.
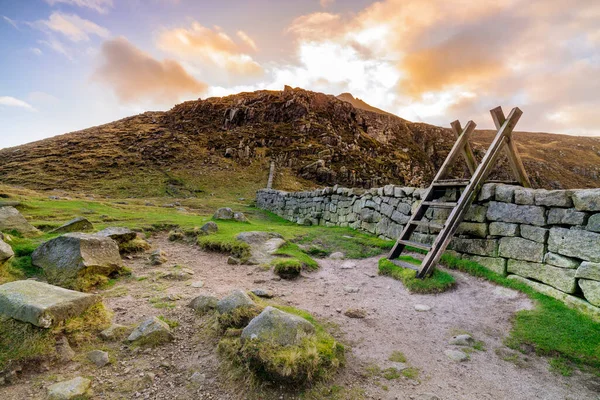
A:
57,46
248,40
101,6
326,3
36,51
11,21
14,102
75,28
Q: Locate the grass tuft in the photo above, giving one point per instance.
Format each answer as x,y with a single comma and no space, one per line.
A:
438,282
287,268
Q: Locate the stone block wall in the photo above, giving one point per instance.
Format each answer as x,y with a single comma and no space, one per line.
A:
549,239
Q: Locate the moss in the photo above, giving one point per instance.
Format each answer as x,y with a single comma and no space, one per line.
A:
90,278
437,282
176,235
172,323
85,328
225,245
397,356
411,373
239,317
333,392
292,250
136,245
287,268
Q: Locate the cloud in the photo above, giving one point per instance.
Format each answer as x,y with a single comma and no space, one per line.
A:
11,22
101,6
213,51
326,3
247,40
57,46
135,76
73,27
36,51
14,102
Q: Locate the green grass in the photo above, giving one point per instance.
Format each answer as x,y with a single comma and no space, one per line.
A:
287,268
438,282
292,250
552,328
397,356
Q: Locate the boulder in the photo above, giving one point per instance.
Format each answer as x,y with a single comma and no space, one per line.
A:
507,212
11,219
224,213
98,357
587,199
561,278
236,299
118,234
462,340
42,304
67,258
6,252
456,355
158,257
240,217
357,313
114,332
267,294
577,243
521,249
73,389
203,304
591,291
79,224
588,270
278,327
208,228
152,331
262,245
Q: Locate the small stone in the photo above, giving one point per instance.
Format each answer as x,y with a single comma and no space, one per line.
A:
197,377
338,255
240,217
202,304
114,332
462,340
267,294
98,357
348,265
456,355
64,350
158,257
422,307
351,289
67,390
153,331
209,227
197,284
237,298
355,313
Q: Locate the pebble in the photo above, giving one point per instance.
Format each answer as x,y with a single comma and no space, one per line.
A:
422,307
351,289
462,340
198,284
456,355
348,265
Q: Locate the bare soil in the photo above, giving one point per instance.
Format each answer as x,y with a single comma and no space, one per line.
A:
392,324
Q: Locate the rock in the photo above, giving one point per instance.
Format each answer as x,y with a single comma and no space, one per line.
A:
118,234
6,252
224,213
114,332
505,193
476,213
262,245
42,304
11,219
203,304
197,377
588,270
587,200
594,223
495,264
348,265
64,350
534,233
575,243
71,257
267,294
79,224
503,229
338,255
487,192
240,217
158,257
152,331
427,396
98,357
231,260
179,274
208,228
456,355
481,247
591,291
237,298
422,307
355,313
561,261
67,390
521,249
462,340
553,198
507,212
472,228
351,289
279,327
562,216
524,196
197,284
560,278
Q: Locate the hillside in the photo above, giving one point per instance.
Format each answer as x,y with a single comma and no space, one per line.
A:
225,144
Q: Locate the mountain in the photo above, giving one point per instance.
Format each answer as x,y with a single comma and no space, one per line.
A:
226,144
358,103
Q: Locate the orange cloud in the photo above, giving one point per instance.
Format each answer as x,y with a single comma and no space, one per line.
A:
135,76
211,48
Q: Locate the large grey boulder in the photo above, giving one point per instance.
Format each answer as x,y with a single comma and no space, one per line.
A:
118,234
73,389
152,331
224,213
577,243
203,304
6,252
591,291
237,298
79,224
11,219
561,278
262,245
507,212
521,249
208,228
587,199
66,258
279,327
42,304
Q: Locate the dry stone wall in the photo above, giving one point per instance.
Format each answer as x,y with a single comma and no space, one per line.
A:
549,239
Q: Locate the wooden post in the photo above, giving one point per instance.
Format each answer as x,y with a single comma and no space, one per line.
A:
271,174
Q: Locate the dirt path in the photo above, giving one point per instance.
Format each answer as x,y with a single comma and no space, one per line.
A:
392,324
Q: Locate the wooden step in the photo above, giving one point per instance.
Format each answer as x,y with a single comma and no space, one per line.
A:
405,264
416,245
439,204
450,184
427,224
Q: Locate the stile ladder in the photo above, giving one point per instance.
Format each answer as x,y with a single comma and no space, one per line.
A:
470,188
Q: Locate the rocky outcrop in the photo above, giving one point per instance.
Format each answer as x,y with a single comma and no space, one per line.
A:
12,220
74,259
41,304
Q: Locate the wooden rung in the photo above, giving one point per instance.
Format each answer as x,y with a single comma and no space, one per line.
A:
450,184
405,264
427,224
439,204
416,245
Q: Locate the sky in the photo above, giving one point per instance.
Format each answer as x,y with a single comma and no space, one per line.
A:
72,64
